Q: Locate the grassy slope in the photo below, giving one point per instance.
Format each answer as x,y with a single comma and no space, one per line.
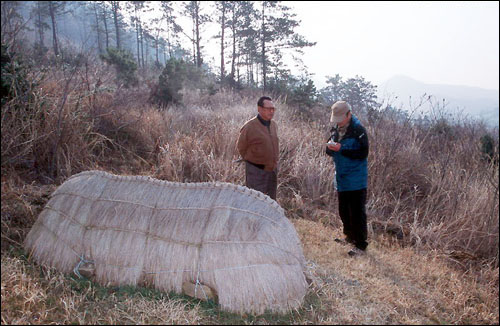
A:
390,285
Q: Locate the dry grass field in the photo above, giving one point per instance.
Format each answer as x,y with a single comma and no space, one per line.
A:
390,285
432,206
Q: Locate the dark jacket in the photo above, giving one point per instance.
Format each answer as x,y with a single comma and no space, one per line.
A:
351,163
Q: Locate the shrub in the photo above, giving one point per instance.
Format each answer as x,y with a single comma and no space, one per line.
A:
170,83
488,148
125,65
304,94
14,72
442,127
40,53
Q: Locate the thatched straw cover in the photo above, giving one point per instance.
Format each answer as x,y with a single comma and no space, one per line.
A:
142,231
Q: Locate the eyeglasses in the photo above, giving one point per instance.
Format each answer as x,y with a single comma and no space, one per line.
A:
268,108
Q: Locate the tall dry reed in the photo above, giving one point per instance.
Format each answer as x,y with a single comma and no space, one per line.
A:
429,182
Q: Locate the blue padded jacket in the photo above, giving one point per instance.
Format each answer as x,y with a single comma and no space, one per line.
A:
351,162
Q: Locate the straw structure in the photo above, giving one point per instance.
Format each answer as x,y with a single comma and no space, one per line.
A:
138,230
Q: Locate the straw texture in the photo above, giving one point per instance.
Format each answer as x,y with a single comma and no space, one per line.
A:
138,230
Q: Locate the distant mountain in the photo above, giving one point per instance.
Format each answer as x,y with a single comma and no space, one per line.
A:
475,102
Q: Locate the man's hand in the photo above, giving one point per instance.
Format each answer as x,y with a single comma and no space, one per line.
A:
334,147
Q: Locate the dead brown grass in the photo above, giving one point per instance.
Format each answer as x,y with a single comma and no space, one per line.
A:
428,186
33,297
391,285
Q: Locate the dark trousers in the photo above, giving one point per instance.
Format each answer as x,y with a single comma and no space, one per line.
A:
261,180
353,215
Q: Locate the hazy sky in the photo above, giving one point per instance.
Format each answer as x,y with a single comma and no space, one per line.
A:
433,42
447,42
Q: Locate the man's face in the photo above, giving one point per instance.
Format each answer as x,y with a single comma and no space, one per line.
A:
345,121
267,110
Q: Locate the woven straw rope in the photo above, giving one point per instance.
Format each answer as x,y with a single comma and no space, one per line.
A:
167,208
155,237
158,272
201,185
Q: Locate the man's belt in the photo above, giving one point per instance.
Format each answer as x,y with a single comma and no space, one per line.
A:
259,166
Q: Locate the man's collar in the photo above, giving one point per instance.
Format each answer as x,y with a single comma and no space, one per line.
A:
264,122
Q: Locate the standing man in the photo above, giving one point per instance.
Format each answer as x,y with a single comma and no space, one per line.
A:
259,148
348,145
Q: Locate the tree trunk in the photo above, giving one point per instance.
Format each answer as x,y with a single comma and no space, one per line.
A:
164,55
257,73
105,26
40,24
97,29
54,33
147,53
137,35
198,50
142,45
233,24
194,46
116,7
263,50
156,46
169,37
222,44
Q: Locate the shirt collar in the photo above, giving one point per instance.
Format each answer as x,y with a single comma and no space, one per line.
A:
264,122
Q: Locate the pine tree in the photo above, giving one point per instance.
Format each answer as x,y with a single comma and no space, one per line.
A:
39,12
194,11
277,33
172,28
54,9
115,9
222,10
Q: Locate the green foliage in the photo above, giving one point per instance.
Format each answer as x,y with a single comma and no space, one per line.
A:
40,53
280,86
358,92
488,148
70,57
441,127
304,94
277,33
211,89
231,82
171,82
125,65
179,74
196,78
301,92
14,76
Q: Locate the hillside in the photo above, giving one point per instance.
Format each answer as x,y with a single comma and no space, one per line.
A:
475,102
105,86
432,204
416,271
390,285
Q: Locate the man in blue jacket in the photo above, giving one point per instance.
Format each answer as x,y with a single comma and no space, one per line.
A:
348,145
